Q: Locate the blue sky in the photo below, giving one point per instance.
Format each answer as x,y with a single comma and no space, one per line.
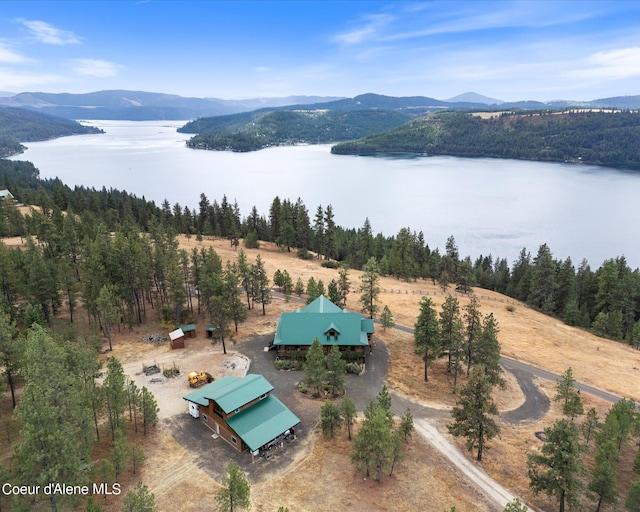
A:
510,50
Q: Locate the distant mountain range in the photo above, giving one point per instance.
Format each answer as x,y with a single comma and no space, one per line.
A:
142,106
473,97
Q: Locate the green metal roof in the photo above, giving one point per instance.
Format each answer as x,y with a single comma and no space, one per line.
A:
230,392
367,325
262,422
321,305
188,327
313,321
331,327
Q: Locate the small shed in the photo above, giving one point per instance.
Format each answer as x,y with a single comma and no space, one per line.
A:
5,194
189,330
177,338
209,330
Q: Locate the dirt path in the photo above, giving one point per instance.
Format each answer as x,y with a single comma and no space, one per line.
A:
489,487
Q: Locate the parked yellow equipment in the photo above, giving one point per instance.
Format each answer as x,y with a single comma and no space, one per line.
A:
197,379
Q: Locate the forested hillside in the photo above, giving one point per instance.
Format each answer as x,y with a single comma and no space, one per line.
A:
250,132
601,138
606,300
20,125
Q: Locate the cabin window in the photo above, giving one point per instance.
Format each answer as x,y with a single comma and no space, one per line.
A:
332,334
205,418
234,440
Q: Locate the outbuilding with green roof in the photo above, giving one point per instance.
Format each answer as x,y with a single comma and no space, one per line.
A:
242,411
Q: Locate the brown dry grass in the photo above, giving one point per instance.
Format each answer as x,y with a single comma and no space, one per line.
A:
326,480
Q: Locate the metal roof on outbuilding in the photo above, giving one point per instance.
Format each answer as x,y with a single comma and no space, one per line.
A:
262,422
230,392
174,335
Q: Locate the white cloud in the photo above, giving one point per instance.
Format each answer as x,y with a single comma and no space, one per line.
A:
45,33
613,64
12,81
95,67
9,56
369,30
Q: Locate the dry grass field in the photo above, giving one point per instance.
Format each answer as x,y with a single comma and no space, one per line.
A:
324,478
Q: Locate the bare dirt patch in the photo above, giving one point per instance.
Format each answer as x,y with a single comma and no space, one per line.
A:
198,354
326,480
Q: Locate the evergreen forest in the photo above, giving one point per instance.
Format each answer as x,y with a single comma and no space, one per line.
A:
21,125
258,130
607,138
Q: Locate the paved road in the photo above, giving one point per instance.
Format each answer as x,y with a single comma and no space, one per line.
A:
536,403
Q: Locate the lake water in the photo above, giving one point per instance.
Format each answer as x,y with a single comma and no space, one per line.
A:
490,206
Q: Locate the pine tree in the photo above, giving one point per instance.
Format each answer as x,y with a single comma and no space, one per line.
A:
406,425
632,503
332,290
330,418
139,499
10,350
558,468
51,412
107,304
149,410
590,425
515,506
373,446
231,296
473,329
450,331
336,370
220,317
603,475
312,290
427,334
568,395
235,492
487,351
315,367
472,415
370,287
344,285
115,395
120,452
348,413
264,292
386,318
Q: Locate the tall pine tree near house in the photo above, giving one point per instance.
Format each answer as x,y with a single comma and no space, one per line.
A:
426,335
474,411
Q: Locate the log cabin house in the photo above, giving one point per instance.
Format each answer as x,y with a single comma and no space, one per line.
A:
242,411
329,323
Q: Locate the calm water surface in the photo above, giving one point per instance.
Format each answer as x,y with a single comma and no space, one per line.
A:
490,206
